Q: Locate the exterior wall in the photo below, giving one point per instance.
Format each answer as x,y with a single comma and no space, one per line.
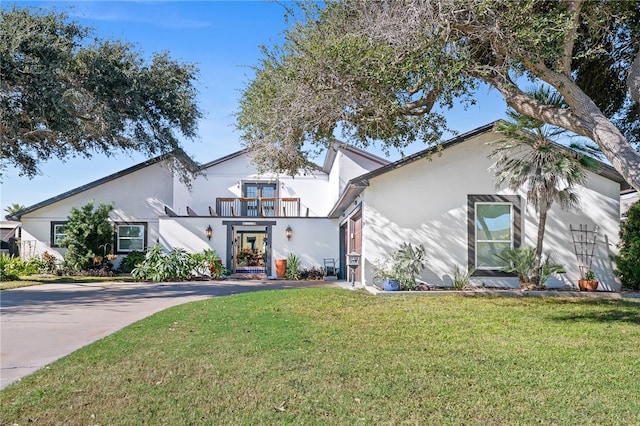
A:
348,165
425,202
137,197
313,239
224,180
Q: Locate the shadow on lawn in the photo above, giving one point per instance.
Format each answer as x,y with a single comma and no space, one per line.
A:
605,310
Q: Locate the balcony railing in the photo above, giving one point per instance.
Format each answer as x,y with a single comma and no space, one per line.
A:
258,207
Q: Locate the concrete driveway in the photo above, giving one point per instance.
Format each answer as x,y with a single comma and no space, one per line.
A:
43,323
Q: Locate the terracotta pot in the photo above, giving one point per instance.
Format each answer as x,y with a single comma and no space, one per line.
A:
281,268
587,285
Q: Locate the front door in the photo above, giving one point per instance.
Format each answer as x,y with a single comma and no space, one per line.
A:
251,251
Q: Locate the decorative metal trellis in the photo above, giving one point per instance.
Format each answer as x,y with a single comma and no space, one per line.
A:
584,245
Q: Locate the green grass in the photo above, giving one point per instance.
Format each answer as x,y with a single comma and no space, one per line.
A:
31,280
326,356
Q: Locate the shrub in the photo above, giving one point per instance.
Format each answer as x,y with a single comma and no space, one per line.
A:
7,272
460,279
177,265
130,261
628,258
312,274
50,262
403,265
293,267
522,263
208,262
87,233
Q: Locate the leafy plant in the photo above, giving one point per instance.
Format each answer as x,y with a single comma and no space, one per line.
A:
130,261
522,262
152,267
208,263
460,279
628,258
589,275
7,272
87,232
293,267
312,274
403,265
50,262
12,267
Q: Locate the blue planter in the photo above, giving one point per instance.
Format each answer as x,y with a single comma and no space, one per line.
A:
390,285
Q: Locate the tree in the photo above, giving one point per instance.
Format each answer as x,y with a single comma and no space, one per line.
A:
528,158
628,258
378,70
63,96
88,236
13,208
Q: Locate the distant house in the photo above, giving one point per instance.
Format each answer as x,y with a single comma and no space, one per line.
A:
8,237
354,202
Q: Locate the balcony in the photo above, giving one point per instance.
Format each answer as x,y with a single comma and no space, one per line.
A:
258,207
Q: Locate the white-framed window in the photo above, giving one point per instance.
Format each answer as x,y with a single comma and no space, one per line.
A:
57,233
131,237
494,234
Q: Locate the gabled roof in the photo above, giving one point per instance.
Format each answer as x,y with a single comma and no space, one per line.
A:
332,152
225,158
178,154
356,185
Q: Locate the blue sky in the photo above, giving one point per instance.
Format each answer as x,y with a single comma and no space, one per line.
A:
223,39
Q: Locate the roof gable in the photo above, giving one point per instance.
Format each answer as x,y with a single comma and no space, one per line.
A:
182,156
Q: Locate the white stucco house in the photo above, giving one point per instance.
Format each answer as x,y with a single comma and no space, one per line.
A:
354,202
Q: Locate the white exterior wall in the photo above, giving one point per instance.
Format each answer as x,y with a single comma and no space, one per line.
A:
137,197
346,166
313,239
425,202
224,180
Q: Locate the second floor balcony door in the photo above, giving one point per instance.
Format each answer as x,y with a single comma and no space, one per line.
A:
259,191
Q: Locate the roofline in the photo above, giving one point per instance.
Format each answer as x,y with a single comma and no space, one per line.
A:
337,145
225,158
356,185
178,153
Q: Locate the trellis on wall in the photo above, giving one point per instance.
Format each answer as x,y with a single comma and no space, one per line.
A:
584,246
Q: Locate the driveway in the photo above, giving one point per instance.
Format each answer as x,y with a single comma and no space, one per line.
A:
43,323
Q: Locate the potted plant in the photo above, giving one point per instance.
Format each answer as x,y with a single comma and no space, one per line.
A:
399,270
588,282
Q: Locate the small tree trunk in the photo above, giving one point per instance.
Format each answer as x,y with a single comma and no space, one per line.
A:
535,276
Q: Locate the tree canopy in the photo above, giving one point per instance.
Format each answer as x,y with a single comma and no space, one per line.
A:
376,71
64,93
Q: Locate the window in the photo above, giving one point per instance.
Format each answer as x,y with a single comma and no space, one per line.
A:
131,237
263,196
57,233
493,234
493,226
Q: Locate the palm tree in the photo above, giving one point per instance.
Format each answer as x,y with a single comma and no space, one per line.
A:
528,158
13,208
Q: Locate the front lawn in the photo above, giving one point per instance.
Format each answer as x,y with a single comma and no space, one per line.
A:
329,356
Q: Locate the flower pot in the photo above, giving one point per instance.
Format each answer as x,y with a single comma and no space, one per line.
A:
281,268
390,285
587,285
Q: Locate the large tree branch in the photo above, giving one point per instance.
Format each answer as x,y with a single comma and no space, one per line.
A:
574,7
633,79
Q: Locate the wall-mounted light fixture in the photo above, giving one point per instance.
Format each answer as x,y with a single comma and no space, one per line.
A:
289,232
209,232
